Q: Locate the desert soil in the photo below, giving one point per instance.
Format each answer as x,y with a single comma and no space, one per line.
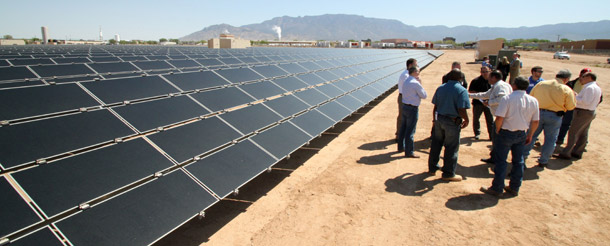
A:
353,188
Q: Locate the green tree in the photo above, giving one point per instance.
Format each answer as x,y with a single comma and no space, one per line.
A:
112,41
565,40
162,40
351,40
175,40
7,36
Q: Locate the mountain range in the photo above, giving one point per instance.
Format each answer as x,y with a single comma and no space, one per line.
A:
344,27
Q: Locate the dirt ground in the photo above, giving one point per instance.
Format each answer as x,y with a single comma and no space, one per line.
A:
353,188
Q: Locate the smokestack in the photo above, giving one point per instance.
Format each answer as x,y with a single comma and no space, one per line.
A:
101,36
278,30
45,35
117,38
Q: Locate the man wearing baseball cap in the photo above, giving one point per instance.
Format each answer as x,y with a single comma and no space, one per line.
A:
567,118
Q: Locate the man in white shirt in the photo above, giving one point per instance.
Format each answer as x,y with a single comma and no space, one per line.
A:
499,89
412,94
411,62
584,113
515,114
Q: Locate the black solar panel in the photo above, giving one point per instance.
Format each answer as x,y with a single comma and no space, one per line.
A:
184,63
69,182
313,122
287,105
270,71
150,115
15,213
62,70
26,102
258,116
152,65
12,73
188,141
119,90
28,142
113,67
290,83
140,216
237,75
292,68
196,80
335,111
311,96
21,62
223,98
41,237
311,79
226,170
282,139
262,89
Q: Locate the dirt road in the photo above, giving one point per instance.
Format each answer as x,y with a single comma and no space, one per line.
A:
357,190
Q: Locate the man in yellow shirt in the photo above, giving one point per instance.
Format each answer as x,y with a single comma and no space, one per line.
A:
554,99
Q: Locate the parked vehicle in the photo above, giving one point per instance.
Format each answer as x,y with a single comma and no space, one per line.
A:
561,55
608,60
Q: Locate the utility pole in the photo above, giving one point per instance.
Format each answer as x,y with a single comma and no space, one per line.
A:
558,38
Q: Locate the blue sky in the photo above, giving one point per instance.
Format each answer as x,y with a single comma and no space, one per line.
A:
154,19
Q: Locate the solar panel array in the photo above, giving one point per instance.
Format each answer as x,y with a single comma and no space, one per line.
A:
120,145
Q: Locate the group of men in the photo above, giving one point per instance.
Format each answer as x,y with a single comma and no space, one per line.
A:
523,109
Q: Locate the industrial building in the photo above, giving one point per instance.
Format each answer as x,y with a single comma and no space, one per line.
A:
405,43
228,41
12,42
293,43
584,45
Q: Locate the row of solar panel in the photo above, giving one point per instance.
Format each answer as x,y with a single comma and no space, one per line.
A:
216,153
62,185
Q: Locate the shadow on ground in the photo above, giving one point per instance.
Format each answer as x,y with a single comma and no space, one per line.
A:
472,202
410,184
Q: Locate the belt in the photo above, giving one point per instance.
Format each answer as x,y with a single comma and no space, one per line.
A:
511,131
584,109
410,105
445,116
548,110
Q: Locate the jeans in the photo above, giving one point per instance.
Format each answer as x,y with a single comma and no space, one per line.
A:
565,126
477,110
550,122
446,133
503,142
399,118
579,133
410,115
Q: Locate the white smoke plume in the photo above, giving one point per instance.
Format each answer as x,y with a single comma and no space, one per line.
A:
225,31
278,30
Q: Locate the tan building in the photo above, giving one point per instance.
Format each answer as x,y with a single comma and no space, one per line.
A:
12,42
594,44
228,41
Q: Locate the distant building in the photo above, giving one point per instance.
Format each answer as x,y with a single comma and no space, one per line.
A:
452,39
405,43
167,43
295,43
228,41
594,44
12,42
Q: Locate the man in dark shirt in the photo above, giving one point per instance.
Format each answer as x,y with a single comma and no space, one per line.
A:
481,84
458,65
450,102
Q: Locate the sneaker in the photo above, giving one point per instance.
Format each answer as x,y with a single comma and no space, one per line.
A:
477,137
454,178
488,160
490,191
511,191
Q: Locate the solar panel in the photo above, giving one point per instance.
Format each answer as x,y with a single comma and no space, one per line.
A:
31,141
190,140
41,237
270,71
15,213
237,75
313,122
113,67
223,98
71,60
119,90
335,111
209,62
67,183
330,90
350,102
196,80
21,62
20,84
12,73
311,96
152,65
290,83
282,139
262,89
292,68
152,114
258,116
105,59
287,105
226,170
311,79
140,216
184,63
62,70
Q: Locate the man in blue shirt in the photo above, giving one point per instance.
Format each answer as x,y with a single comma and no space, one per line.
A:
450,104
535,78
412,94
